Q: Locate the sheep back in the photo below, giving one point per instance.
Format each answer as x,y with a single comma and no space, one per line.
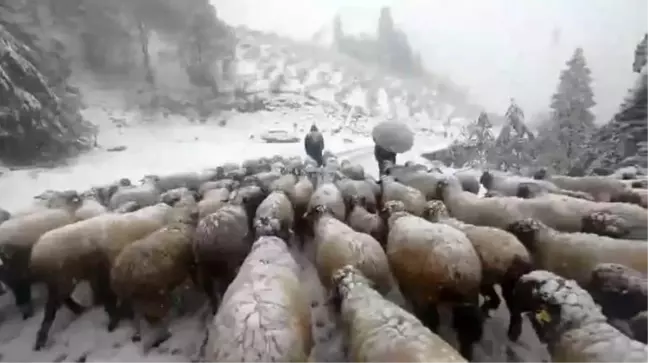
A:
144,195
328,195
357,188
276,206
379,330
430,259
600,187
362,221
412,198
223,238
300,194
154,264
338,246
280,330
621,291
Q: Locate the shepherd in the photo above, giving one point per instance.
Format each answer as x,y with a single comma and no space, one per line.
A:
383,155
314,144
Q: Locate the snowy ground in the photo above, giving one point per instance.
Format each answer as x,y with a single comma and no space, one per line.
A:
175,147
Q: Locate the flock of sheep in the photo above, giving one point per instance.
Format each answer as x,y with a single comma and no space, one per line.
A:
568,252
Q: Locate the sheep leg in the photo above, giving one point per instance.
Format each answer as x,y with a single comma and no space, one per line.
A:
23,296
137,328
74,306
515,312
429,316
101,286
207,285
491,299
161,333
54,302
467,322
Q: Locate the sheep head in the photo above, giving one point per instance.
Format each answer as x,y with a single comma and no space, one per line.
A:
266,226
487,179
317,212
524,191
527,231
555,304
357,200
604,224
640,184
435,210
541,174
344,280
620,290
391,208
445,185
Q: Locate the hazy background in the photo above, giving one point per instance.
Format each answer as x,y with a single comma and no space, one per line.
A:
497,48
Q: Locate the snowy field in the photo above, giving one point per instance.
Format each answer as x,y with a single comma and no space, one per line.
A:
177,145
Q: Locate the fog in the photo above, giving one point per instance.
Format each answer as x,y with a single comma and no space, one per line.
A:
498,49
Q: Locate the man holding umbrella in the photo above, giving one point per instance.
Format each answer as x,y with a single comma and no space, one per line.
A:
391,138
314,145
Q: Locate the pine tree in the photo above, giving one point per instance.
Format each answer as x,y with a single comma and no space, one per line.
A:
640,55
572,120
479,137
338,32
511,150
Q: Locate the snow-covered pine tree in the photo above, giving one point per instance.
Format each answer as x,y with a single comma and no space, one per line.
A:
511,150
479,137
572,122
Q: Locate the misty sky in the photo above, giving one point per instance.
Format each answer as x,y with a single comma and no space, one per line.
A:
497,48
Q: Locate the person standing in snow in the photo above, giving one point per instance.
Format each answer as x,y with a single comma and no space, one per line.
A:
382,155
314,144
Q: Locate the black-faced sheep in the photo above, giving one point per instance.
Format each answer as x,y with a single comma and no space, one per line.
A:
566,317
412,198
575,255
469,179
85,251
621,291
377,330
434,264
504,259
337,245
105,192
363,221
144,195
601,188
17,238
275,216
145,272
265,315
221,242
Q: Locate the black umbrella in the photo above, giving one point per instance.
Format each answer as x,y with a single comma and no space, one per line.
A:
393,136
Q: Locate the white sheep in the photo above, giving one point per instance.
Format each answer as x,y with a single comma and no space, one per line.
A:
265,314
144,195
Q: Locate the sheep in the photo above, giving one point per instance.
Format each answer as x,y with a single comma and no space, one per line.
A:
179,195
253,166
575,255
85,251
105,192
634,196
435,263
352,171
329,195
363,221
285,183
360,188
469,180
144,195
601,188
127,207
636,183
275,216
145,272
509,185
220,244
621,291
566,317
90,206
639,327
377,330
49,199
338,245
17,238
412,198
504,259
189,180
265,315
212,201
228,184
422,181
626,173
4,215
300,196
264,180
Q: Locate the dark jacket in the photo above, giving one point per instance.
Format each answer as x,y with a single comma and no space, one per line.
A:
381,154
314,145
